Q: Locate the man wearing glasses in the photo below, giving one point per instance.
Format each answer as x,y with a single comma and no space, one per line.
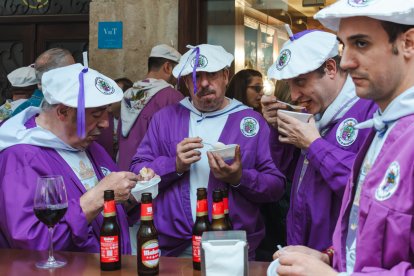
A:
176,148
317,155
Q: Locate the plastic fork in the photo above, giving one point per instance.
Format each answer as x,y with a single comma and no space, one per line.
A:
294,107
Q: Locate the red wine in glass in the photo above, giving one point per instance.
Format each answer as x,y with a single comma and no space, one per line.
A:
50,205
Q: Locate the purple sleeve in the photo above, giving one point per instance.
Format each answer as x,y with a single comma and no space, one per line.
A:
264,182
151,154
334,163
402,269
24,230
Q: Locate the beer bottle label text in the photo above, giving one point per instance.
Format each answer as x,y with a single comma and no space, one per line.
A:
196,248
150,253
109,249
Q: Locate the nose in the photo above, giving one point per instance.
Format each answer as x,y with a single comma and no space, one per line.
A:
295,93
104,121
203,80
348,62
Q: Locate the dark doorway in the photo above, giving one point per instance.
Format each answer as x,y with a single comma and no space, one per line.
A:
28,28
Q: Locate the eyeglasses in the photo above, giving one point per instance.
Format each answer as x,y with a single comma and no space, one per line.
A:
257,88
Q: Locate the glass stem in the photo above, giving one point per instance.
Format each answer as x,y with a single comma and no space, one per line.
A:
51,259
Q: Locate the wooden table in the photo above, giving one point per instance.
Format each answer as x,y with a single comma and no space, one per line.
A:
15,262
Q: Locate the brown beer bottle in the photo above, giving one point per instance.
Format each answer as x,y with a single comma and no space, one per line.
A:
148,255
201,224
226,209
110,240
218,223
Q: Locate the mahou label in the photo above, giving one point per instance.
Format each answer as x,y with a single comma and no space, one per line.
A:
218,209
150,253
146,211
201,207
196,248
109,208
109,249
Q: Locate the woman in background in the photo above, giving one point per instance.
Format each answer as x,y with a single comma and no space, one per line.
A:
247,87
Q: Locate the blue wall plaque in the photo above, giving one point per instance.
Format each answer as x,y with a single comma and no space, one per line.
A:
110,35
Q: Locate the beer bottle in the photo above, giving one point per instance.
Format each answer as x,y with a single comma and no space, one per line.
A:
218,223
147,239
201,224
226,209
110,240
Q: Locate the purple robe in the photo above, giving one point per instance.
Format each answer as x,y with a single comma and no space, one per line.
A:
385,234
315,204
20,165
260,182
128,145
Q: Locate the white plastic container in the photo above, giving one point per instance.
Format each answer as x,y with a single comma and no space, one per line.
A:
150,186
303,117
227,153
271,270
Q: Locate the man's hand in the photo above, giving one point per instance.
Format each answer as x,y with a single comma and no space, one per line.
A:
299,264
304,250
295,132
187,153
121,182
222,171
269,109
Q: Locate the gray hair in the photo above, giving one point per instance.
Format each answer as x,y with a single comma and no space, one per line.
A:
51,59
45,106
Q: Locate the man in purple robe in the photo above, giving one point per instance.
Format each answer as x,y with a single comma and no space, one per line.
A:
177,146
58,139
375,230
327,144
146,97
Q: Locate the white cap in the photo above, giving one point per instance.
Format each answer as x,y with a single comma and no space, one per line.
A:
22,77
211,58
61,85
165,51
397,11
306,52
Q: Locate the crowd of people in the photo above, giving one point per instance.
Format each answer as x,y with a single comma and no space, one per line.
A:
346,172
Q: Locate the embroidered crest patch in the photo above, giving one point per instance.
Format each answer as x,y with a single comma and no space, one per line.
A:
346,133
202,62
283,59
249,126
104,86
360,3
105,171
389,183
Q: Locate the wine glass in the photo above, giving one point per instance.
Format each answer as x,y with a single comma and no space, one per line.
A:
50,205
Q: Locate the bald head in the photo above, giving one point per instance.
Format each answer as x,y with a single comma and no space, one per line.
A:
51,59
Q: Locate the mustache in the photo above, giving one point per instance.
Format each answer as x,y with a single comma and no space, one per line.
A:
95,132
206,91
356,74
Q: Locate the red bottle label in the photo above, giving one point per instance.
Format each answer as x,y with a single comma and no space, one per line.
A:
226,205
202,207
146,211
109,208
109,249
218,209
196,248
150,253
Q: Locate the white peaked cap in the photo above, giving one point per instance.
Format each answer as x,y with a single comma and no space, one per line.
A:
61,85
165,51
397,11
305,53
212,58
22,77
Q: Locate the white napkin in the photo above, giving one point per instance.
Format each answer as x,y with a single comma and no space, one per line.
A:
224,258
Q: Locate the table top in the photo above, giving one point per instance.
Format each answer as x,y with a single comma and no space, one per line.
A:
15,262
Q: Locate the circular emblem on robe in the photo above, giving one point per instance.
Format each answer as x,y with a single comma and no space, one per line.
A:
104,86
249,126
346,133
360,3
105,171
389,183
202,62
283,59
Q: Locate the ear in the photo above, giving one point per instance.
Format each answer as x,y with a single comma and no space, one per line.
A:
408,43
226,74
167,68
330,68
63,112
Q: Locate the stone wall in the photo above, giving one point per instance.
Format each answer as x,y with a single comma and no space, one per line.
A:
145,24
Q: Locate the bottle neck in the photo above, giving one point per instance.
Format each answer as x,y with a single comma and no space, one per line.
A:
201,210
109,208
146,212
218,210
226,205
